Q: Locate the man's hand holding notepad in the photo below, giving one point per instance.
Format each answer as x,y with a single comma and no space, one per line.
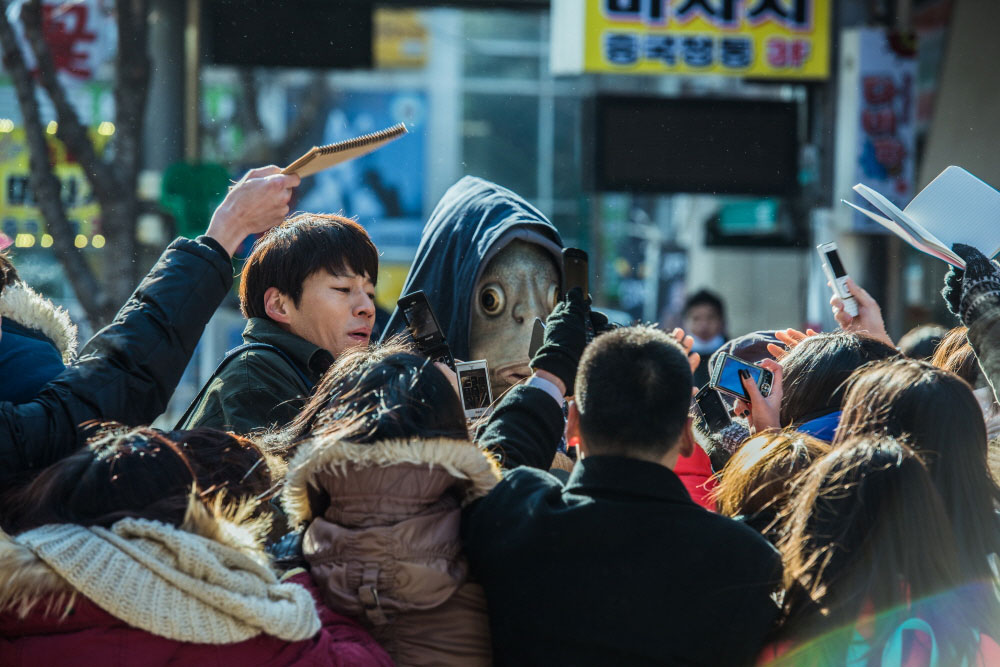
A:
323,157
956,207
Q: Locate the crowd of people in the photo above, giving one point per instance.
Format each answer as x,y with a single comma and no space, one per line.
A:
326,501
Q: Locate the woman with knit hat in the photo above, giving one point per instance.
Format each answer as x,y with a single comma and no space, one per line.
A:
116,558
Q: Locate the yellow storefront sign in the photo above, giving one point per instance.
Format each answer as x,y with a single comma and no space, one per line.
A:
19,214
763,39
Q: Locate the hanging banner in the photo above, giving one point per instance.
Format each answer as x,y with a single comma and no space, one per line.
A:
877,122
762,39
81,35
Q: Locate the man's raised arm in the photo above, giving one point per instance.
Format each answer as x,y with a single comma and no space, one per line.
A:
129,369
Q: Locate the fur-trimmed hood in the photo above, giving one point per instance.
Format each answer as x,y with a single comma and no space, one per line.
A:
30,309
318,461
383,541
27,583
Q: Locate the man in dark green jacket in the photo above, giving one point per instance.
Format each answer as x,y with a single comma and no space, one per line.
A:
308,293
129,369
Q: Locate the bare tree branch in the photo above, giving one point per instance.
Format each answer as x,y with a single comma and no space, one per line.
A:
132,68
70,130
258,149
305,121
45,185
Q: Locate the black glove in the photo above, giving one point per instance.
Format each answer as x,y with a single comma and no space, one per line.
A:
565,338
980,285
600,323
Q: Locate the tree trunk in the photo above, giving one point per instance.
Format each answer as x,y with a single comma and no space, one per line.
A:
46,186
131,90
114,179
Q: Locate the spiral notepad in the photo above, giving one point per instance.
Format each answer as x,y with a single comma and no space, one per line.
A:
323,157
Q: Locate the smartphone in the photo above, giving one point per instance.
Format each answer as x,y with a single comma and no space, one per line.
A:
474,386
537,336
726,377
575,271
712,408
424,328
837,276
575,274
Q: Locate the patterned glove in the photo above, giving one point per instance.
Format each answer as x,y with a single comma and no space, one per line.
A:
980,285
952,290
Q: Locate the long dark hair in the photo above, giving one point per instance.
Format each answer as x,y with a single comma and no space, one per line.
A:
142,473
867,533
936,413
380,393
815,370
120,473
757,480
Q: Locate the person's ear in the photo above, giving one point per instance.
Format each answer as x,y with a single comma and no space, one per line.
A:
276,305
687,439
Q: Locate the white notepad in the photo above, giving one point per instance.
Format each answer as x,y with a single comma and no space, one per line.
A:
956,207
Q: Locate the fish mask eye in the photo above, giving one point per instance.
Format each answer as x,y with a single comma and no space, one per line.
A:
492,299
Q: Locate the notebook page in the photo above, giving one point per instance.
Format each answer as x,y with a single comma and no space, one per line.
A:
959,208
913,240
906,222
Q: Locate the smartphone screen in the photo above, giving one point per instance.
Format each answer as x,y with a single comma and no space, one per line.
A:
421,320
475,387
575,271
833,259
729,376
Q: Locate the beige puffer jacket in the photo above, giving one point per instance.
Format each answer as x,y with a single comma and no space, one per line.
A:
383,541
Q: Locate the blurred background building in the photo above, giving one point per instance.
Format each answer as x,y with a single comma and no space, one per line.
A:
685,144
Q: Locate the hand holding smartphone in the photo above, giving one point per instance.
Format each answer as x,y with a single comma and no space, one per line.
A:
837,276
726,377
763,411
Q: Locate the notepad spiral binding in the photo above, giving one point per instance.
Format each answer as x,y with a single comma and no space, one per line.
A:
363,140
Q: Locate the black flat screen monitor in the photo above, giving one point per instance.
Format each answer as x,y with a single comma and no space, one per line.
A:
724,146
325,34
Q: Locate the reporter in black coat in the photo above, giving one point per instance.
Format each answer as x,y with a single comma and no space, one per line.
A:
618,566
129,369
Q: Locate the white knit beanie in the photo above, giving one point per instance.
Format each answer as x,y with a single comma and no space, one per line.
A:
175,584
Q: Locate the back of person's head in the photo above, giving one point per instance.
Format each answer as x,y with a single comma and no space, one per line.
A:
921,341
120,473
866,531
380,393
633,389
814,371
760,474
225,461
954,353
289,253
935,413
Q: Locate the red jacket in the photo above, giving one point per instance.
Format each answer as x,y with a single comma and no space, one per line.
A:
695,472
88,635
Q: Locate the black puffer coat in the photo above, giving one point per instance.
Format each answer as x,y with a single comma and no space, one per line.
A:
129,369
